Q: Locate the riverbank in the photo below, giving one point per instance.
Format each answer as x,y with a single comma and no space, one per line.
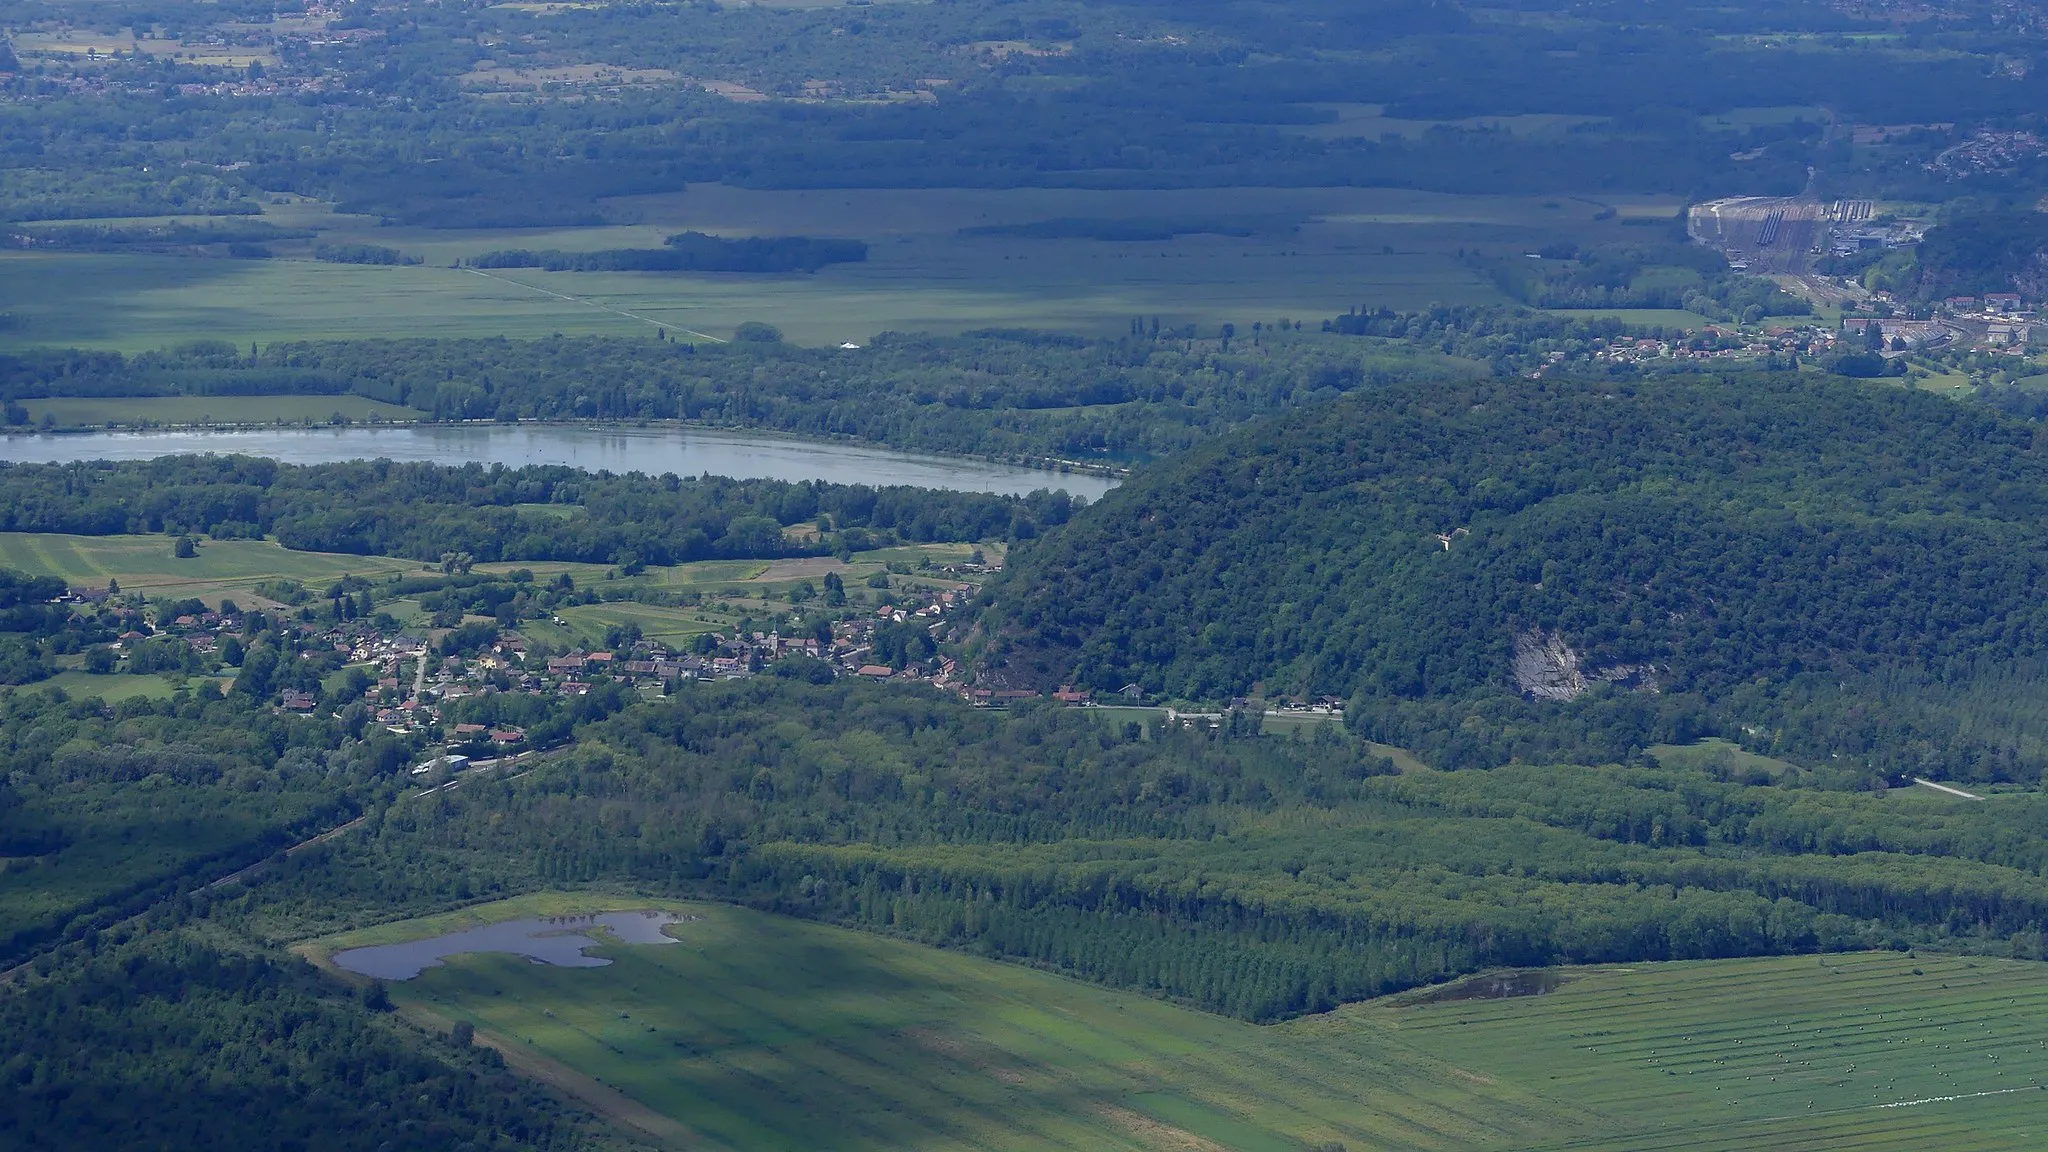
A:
653,447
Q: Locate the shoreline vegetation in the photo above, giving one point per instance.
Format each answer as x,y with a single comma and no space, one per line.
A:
145,427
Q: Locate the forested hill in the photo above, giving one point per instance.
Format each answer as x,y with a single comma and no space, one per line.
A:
1709,544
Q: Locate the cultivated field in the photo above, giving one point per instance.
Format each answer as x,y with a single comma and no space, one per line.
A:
763,1033
587,623
230,568
1371,122
760,1032
130,411
1861,1051
1311,253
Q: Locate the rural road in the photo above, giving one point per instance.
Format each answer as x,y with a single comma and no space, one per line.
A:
1946,788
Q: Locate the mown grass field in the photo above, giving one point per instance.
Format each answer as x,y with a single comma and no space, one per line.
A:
115,687
1313,253
587,623
228,568
1727,753
757,1032
1860,1051
129,411
760,1032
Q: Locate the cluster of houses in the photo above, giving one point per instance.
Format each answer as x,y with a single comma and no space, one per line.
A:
1994,322
1715,343
1988,151
413,684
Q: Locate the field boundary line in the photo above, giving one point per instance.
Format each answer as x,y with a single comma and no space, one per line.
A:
1607,1140
589,303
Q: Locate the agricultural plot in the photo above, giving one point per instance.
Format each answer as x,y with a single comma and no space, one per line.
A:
588,623
1865,1051
117,687
1715,752
130,411
1371,122
759,1032
229,568
933,265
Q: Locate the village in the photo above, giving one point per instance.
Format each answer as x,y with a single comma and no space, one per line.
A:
455,686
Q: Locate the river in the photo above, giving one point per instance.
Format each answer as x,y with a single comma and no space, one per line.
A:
686,451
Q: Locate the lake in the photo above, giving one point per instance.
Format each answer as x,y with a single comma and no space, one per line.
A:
557,940
685,451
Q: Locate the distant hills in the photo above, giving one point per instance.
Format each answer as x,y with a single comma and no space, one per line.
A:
1505,568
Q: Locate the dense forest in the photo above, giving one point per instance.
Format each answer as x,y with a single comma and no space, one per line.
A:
166,1038
426,511
1643,559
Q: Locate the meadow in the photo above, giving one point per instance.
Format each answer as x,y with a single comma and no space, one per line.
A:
761,1032
1310,253
230,568
131,411
116,687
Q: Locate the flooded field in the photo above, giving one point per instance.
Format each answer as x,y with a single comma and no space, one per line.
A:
1495,986
556,940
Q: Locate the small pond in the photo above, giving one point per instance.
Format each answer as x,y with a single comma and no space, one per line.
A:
557,940
1495,986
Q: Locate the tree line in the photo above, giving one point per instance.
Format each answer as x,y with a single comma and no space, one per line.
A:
1250,874
426,511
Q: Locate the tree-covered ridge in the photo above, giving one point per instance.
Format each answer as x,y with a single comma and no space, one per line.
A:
1975,253
1704,535
424,511
1253,875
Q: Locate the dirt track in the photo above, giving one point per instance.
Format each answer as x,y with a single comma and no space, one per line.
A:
801,567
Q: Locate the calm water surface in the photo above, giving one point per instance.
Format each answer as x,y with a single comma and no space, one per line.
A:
684,451
557,940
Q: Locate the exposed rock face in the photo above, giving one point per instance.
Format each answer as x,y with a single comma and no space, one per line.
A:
1546,668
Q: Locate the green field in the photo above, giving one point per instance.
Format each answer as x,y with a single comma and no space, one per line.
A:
229,568
1370,247
1706,753
133,410
1371,122
761,1032
587,623
1859,1051
117,687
